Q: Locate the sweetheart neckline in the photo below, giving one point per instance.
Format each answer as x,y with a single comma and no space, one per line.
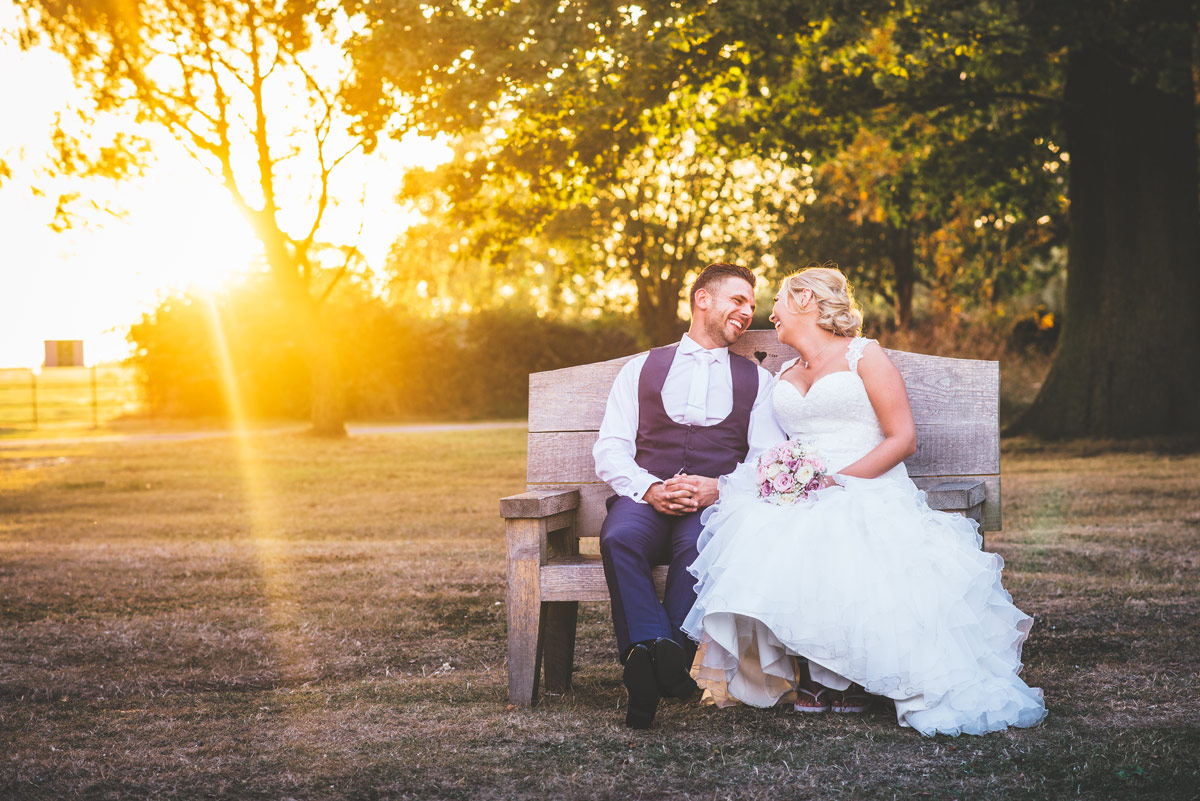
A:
811,386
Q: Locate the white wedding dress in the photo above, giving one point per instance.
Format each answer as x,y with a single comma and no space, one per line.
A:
865,580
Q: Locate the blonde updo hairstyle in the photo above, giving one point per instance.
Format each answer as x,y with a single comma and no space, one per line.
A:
836,310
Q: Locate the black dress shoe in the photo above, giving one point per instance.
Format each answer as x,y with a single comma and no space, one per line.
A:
672,670
643,688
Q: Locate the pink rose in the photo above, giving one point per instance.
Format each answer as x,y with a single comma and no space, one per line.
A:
784,482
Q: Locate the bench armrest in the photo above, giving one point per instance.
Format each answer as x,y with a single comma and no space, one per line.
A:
965,496
539,503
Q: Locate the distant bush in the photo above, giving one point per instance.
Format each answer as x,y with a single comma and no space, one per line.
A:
394,365
188,343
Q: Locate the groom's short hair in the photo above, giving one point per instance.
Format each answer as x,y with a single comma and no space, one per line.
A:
717,272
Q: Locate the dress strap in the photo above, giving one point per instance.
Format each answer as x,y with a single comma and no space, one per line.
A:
855,352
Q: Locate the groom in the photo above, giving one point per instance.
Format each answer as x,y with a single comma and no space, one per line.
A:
677,419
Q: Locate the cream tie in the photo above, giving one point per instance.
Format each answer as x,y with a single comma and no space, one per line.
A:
697,403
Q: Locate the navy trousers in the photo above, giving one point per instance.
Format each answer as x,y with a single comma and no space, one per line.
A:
634,538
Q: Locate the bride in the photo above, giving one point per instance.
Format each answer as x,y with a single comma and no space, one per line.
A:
862,590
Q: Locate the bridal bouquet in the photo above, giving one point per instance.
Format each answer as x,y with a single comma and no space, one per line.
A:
787,472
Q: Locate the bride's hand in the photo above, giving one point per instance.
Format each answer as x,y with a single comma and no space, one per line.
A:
827,481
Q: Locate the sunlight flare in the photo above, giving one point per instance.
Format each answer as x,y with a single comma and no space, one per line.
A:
261,504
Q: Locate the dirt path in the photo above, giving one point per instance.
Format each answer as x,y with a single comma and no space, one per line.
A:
352,429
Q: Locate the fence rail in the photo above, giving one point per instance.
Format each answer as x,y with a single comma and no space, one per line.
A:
66,396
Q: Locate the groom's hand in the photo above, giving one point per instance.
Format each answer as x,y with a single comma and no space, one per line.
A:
668,501
696,491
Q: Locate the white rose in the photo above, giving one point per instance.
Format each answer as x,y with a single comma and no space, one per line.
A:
788,498
773,470
804,475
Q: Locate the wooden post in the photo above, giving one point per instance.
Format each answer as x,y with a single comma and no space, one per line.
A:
524,608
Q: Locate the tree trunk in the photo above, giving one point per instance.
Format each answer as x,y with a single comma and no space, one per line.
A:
660,324
656,310
328,389
906,274
327,411
1127,359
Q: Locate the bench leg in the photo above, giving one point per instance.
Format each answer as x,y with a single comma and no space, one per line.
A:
558,642
524,611
524,656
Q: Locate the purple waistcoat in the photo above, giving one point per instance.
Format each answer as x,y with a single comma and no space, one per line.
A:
665,447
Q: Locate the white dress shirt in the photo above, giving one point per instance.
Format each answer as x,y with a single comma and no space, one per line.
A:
615,449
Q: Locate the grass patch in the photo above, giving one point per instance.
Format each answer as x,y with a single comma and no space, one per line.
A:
296,618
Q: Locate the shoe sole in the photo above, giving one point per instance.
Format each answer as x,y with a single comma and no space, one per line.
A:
848,709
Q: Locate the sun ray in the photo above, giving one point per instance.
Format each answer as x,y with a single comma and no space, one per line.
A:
261,505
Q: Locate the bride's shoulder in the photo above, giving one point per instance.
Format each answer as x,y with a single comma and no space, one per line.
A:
867,356
867,353
861,343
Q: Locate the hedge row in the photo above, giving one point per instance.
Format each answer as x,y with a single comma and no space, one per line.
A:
394,366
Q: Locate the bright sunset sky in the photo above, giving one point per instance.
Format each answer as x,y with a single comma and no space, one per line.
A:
91,283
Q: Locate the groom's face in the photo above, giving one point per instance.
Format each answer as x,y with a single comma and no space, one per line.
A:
729,310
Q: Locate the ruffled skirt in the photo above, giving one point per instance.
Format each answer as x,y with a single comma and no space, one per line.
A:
871,586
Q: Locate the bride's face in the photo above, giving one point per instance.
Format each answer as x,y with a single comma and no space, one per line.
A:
783,315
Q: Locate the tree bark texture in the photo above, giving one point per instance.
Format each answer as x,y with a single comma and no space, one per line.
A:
1128,361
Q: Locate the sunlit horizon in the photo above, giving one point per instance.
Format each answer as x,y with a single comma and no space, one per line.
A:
179,230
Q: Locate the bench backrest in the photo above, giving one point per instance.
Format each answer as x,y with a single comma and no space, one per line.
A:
955,404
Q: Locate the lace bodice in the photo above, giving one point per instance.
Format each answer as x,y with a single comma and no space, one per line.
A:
835,417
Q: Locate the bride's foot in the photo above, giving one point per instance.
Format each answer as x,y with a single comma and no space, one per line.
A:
809,701
851,700
810,696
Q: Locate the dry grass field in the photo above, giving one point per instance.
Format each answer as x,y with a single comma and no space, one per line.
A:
293,618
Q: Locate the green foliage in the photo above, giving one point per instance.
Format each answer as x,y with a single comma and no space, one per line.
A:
932,135
572,139
940,132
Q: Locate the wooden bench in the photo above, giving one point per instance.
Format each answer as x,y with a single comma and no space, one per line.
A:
955,404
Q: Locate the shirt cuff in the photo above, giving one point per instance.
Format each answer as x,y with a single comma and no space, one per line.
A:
641,484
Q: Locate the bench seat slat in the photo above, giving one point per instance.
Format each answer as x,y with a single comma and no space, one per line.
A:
581,578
